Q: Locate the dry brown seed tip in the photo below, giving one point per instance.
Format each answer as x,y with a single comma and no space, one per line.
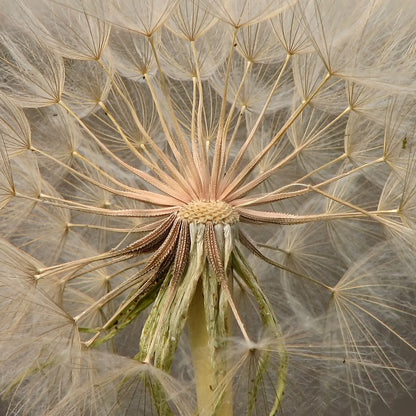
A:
218,212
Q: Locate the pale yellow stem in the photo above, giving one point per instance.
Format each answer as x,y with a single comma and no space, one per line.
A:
205,378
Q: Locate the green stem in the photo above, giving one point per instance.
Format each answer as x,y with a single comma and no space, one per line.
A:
198,334
207,360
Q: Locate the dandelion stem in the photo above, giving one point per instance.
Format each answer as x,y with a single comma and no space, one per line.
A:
205,373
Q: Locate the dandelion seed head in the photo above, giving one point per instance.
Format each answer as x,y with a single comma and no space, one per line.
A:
218,212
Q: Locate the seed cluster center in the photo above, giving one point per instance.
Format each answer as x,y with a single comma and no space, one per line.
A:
201,212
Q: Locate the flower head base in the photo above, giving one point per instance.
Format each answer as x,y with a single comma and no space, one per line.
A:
201,212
